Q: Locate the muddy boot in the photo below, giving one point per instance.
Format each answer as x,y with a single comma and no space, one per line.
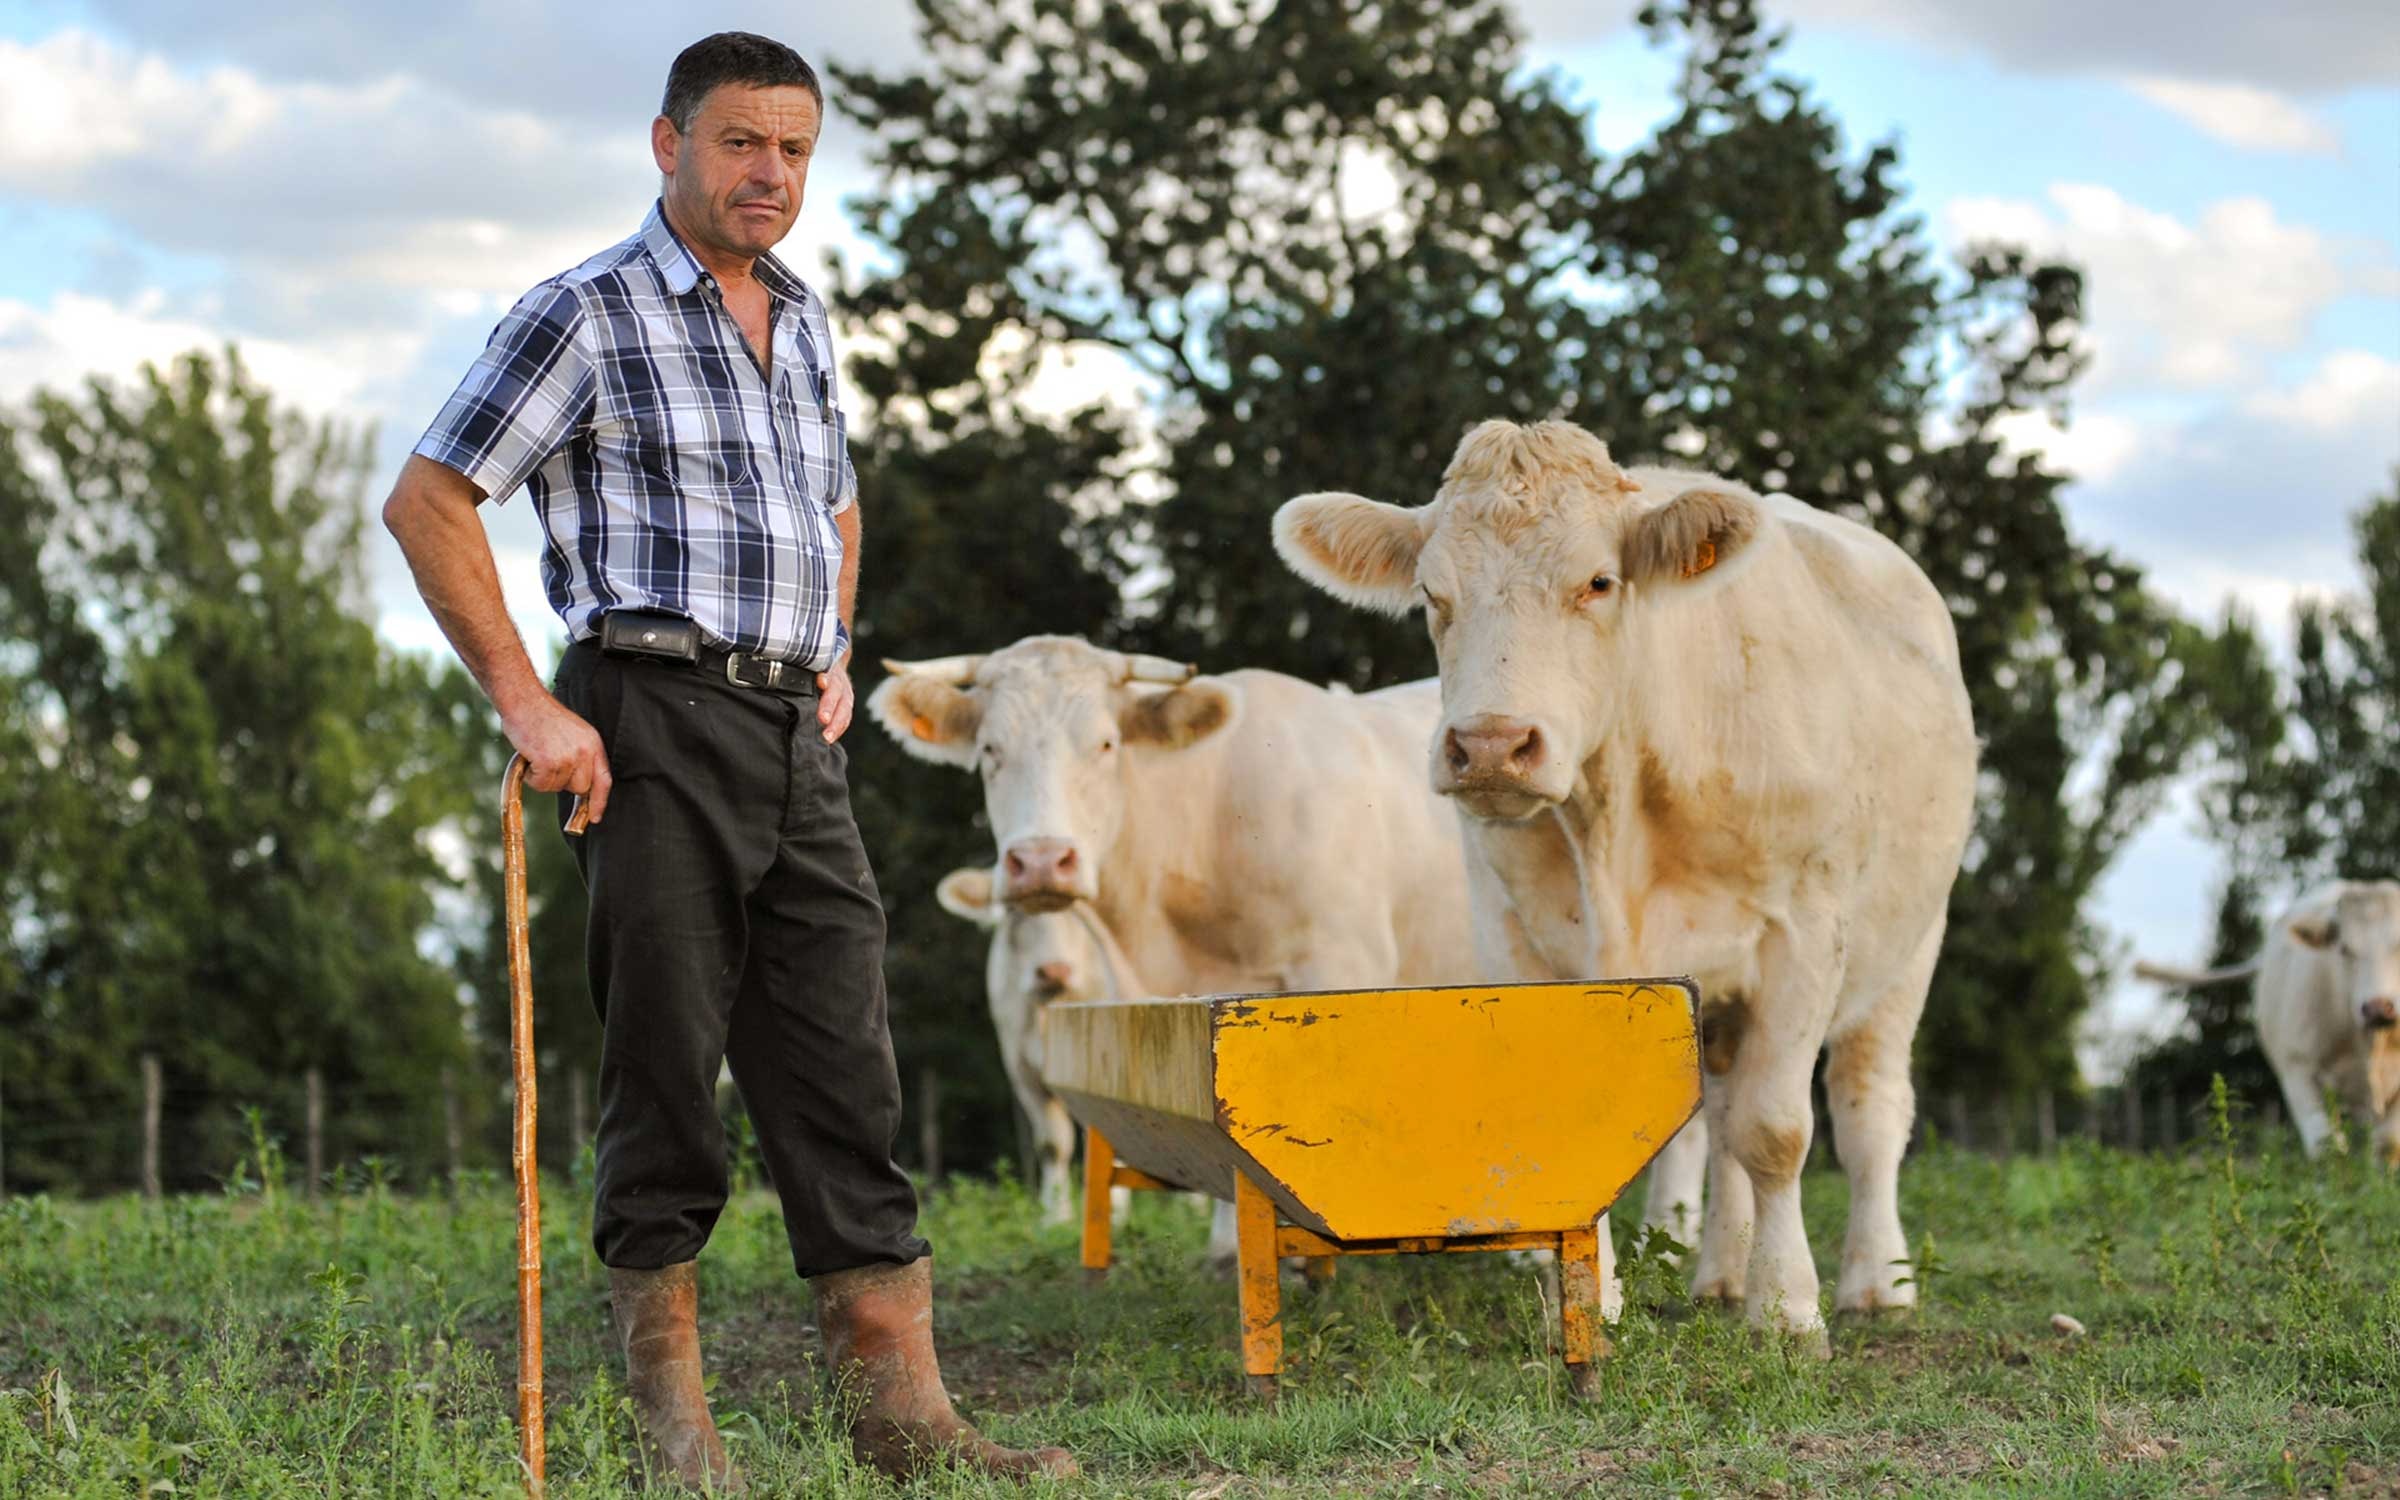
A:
658,1322
878,1326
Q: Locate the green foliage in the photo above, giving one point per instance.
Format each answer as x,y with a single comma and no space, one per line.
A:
218,784
1745,291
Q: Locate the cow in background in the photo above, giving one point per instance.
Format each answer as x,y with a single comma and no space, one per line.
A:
1039,959
2327,1008
1697,731
1244,832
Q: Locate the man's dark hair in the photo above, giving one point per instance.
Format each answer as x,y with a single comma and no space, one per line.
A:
733,57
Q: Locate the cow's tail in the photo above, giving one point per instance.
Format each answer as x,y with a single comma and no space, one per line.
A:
2185,978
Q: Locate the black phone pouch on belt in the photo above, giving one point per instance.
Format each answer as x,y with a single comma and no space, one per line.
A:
660,637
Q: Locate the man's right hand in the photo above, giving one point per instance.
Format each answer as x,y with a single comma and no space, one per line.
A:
562,752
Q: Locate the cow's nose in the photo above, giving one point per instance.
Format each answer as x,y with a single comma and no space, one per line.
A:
2379,1013
1039,867
1492,745
1053,977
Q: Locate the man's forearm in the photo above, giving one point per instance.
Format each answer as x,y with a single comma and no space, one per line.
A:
846,588
451,558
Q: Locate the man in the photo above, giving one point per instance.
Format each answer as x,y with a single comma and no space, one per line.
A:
671,405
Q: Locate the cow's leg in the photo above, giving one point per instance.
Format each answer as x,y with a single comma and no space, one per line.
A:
1769,1118
1056,1145
1723,1267
1672,1202
2305,1103
1873,1103
1224,1236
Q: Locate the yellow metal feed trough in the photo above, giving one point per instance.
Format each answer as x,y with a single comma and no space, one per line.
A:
1381,1122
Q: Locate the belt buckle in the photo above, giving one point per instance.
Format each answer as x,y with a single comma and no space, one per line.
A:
733,669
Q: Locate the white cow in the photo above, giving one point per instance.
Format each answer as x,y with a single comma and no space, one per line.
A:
1698,731
1039,959
1244,832
2327,1007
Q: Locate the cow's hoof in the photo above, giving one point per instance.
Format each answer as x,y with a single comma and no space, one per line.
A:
1717,1291
1886,1307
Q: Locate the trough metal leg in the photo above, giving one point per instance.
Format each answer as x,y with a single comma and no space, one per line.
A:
1261,1290
1583,1335
1099,1177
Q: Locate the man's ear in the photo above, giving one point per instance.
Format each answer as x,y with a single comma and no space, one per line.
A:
931,719
968,893
2316,931
1696,539
665,140
1179,716
1361,551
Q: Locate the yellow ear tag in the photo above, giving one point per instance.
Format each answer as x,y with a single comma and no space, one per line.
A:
921,727
1703,560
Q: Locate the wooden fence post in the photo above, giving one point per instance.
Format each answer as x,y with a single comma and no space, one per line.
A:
929,1123
2045,1122
1958,1121
153,1106
579,1111
2133,1113
316,1129
453,1134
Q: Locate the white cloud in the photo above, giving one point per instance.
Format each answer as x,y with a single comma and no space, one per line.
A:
2239,114
2094,448
76,335
2351,390
2176,305
2297,46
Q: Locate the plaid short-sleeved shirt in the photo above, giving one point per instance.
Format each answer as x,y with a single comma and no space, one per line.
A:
669,473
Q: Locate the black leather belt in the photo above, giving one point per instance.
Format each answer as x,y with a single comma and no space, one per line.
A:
672,640
743,669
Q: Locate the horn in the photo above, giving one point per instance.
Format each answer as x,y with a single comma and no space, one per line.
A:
957,671
1135,667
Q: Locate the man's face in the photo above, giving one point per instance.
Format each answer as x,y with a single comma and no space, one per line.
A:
735,179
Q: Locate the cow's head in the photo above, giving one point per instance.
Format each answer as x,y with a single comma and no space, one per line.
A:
1547,577
2363,932
1042,956
1056,727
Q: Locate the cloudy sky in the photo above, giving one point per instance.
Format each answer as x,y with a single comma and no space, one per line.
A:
355,193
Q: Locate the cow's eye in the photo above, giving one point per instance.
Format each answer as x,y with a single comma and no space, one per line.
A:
1436,606
1601,586
1107,745
989,757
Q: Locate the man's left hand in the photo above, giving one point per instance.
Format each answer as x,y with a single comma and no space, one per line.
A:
834,699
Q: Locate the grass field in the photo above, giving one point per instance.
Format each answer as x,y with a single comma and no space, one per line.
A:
2243,1311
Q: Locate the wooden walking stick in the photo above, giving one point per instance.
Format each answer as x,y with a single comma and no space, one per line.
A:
521,1145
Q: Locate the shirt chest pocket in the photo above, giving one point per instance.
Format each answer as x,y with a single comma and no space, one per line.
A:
689,443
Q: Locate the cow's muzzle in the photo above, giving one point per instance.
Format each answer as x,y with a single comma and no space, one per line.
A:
1042,875
1496,766
2378,1014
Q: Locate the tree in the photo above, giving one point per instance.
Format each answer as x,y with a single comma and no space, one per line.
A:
230,780
1181,184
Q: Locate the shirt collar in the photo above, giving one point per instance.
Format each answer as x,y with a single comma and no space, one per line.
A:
683,270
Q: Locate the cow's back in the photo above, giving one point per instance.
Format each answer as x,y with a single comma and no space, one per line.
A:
1308,830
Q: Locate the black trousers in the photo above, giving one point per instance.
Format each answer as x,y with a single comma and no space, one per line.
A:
733,918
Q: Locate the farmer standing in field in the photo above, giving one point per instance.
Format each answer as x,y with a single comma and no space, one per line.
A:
672,406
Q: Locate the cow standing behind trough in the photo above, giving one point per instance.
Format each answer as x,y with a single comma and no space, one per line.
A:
2327,1008
1039,959
1244,832
1706,732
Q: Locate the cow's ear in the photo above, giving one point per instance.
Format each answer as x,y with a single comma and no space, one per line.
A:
1177,717
1696,539
2316,931
1361,551
931,719
968,893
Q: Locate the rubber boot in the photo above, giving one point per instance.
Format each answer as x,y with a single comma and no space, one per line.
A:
878,1327
658,1323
